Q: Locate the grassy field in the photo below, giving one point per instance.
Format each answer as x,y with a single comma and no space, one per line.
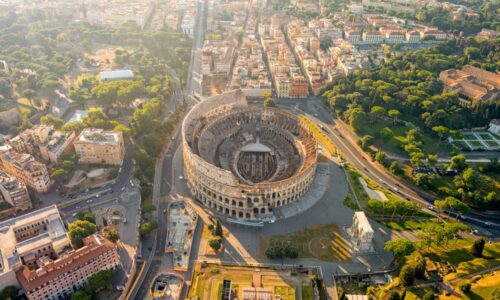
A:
307,292
323,242
360,192
481,289
406,225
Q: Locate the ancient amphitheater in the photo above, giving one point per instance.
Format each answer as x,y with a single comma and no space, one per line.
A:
244,161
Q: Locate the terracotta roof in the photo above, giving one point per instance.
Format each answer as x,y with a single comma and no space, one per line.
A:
93,247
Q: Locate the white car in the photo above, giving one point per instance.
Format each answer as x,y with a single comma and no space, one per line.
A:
131,183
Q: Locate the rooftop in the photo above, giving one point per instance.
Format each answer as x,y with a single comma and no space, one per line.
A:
94,246
99,137
12,245
116,75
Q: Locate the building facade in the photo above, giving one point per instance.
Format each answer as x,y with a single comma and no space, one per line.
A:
55,279
14,192
24,167
28,238
97,146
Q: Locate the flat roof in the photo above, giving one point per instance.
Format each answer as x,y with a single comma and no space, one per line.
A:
10,246
116,74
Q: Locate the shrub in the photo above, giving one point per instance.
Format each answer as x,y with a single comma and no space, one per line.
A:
464,286
407,275
215,244
419,266
429,296
478,247
394,296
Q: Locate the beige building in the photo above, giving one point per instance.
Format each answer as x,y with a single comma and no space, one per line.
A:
471,84
57,278
43,141
24,167
28,238
97,146
14,192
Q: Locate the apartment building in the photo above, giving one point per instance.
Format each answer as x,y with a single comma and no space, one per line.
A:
97,146
28,238
26,168
58,278
43,141
471,84
14,192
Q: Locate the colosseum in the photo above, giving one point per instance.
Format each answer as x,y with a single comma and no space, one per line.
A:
244,161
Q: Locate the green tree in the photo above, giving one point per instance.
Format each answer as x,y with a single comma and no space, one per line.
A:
147,208
452,204
478,247
85,216
59,175
51,120
394,114
9,292
429,296
380,157
441,131
215,244
495,295
218,229
386,134
366,141
464,286
458,163
112,235
432,159
269,102
394,296
400,247
81,295
395,168
419,265
100,280
357,119
407,275
147,227
79,230
377,111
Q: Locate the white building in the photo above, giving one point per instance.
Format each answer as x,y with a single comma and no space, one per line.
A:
494,126
116,75
361,233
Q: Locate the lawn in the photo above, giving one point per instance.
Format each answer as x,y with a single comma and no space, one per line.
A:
461,145
481,289
360,192
406,225
486,136
322,242
457,253
307,292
